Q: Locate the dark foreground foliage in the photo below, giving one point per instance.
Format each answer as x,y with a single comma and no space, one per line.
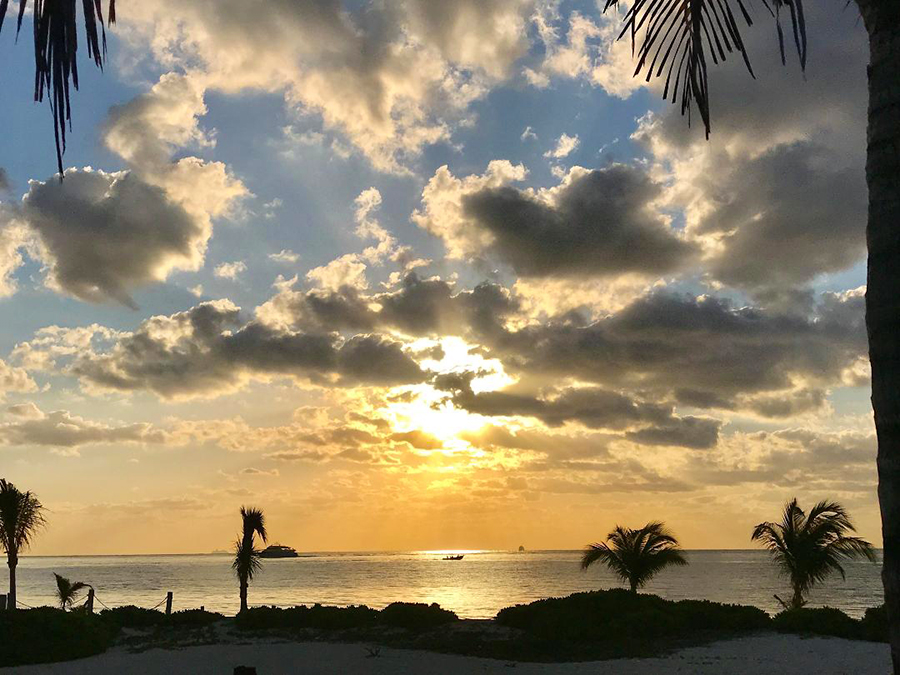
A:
833,622
608,624
47,634
138,617
412,616
584,626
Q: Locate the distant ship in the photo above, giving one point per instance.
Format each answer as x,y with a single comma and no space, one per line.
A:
521,549
279,551
453,557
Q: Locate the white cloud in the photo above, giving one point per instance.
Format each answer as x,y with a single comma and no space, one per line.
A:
285,256
230,270
565,146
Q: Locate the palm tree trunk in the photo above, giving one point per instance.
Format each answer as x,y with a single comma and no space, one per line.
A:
243,596
11,598
882,20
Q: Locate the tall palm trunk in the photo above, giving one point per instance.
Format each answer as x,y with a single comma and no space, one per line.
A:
243,583
12,561
882,20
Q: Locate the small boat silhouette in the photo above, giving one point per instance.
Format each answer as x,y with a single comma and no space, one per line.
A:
453,557
278,551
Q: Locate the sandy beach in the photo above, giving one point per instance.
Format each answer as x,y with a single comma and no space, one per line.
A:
784,654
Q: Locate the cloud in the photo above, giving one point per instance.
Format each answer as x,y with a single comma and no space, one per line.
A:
13,238
595,408
776,200
285,256
5,185
14,379
392,79
595,223
208,351
103,235
31,426
665,343
565,146
230,270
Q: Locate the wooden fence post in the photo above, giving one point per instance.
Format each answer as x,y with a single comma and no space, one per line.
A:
168,603
90,600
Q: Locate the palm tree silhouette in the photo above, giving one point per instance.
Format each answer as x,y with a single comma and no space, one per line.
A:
67,591
808,549
246,555
55,48
635,556
21,515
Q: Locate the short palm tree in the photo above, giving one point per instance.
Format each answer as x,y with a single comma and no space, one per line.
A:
21,515
809,548
246,555
67,591
636,556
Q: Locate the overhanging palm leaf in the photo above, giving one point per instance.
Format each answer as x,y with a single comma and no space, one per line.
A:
809,548
67,591
635,556
677,39
55,53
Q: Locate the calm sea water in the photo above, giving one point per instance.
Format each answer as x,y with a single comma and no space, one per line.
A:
475,587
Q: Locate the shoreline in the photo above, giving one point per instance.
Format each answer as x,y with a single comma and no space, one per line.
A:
766,652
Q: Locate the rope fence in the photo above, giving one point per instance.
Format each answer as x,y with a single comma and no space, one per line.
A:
103,604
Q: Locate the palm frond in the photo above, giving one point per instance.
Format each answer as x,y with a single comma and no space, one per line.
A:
676,39
636,556
808,548
21,515
55,53
67,591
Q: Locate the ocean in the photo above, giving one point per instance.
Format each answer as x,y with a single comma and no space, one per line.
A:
477,586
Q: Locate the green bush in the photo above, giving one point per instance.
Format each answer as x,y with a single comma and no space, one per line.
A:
46,634
874,625
317,616
818,621
619,615
416,615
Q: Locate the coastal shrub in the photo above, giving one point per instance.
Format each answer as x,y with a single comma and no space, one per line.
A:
130,616
317,616
818,621
416,615
874,625
618,615
193,617
47,634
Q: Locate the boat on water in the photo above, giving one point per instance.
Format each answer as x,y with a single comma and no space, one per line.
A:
453,557
278,551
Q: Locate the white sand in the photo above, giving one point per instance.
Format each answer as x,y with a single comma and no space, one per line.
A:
781,654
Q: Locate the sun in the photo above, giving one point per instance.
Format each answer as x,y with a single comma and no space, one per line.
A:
424,408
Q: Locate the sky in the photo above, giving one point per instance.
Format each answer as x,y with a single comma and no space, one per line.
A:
414,275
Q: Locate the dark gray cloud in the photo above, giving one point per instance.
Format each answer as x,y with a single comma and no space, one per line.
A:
103,235
705,351
595,408
786,216
207,350
782,178
4,180
598,222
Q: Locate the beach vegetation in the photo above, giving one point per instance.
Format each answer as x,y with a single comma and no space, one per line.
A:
810,548
49,634
21,516
416,615
67,591
636,556
246,556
